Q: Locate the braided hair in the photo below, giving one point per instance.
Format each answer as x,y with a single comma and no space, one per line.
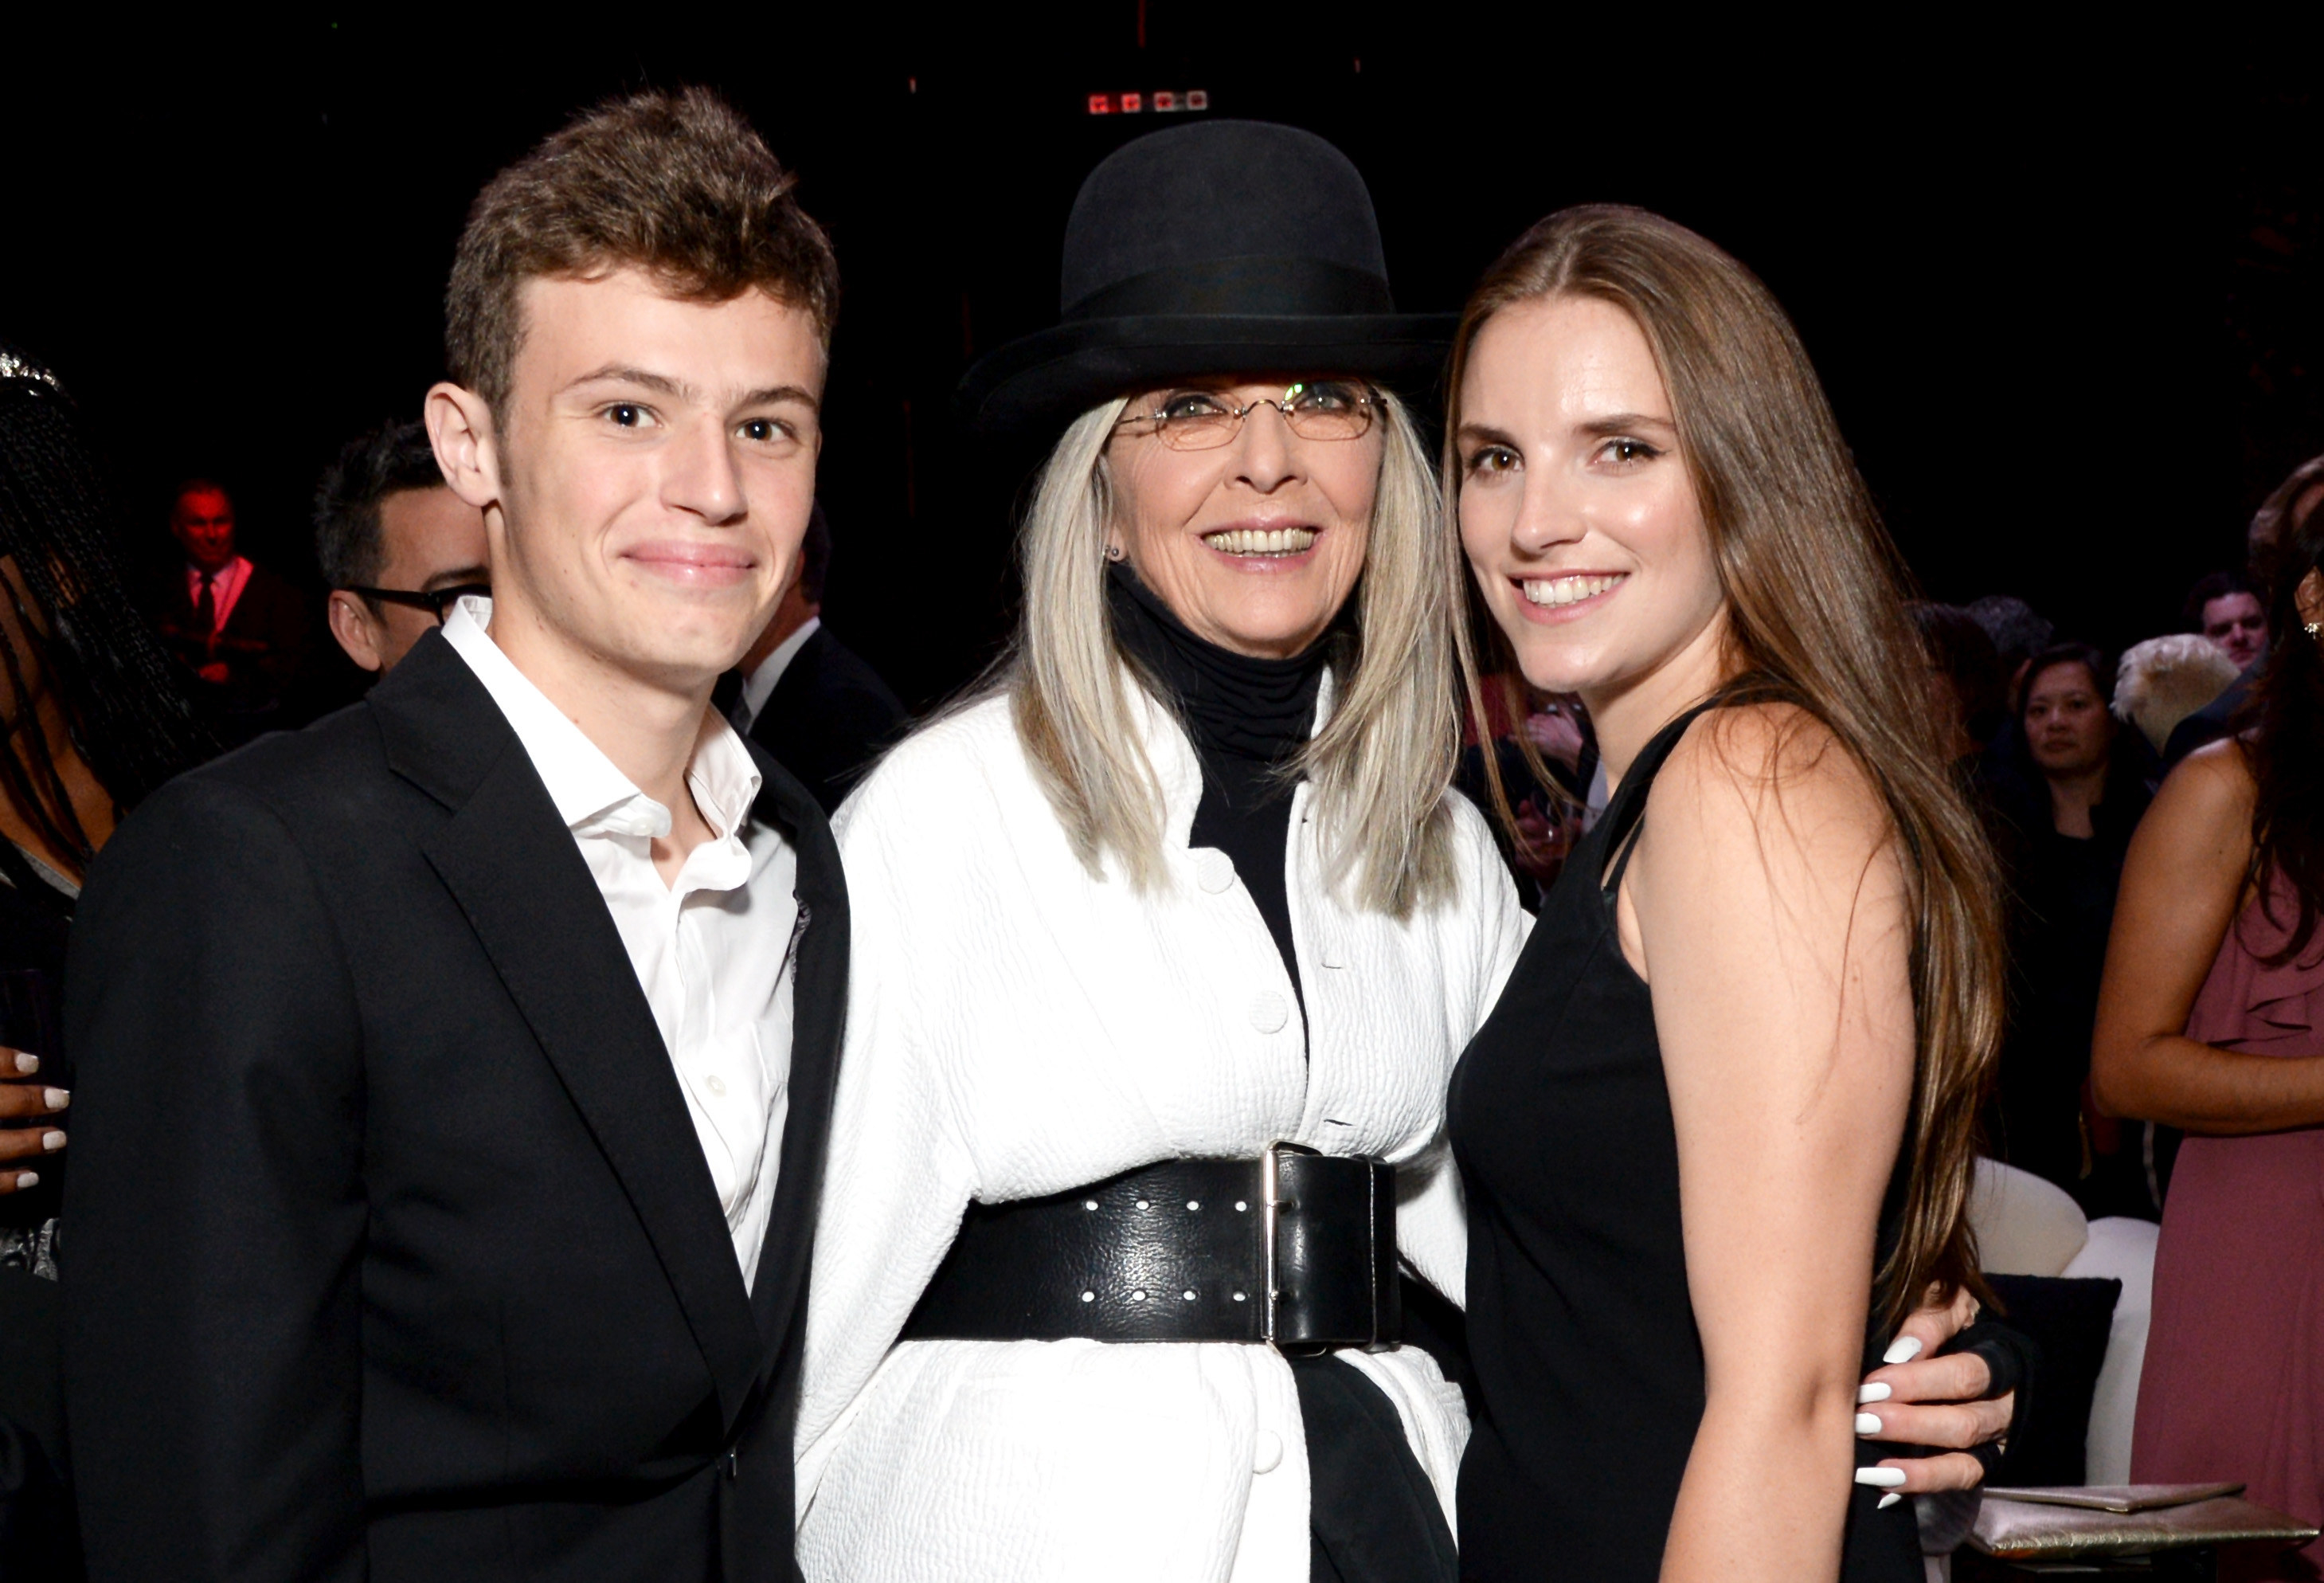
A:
128,715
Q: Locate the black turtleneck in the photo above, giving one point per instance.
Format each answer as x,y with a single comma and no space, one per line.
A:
1248,716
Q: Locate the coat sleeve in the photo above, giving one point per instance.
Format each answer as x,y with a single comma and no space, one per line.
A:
213,1347
1484,930
900,1173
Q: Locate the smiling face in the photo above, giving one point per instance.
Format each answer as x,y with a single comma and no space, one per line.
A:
2066,727
650,476
1578,514
1254,544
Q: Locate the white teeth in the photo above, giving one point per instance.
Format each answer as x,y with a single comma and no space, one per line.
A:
1261,541
1566,590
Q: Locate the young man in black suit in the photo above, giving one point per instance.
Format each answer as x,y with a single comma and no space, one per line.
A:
454,1075
808,699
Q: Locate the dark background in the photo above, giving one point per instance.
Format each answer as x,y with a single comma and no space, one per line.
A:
2066,299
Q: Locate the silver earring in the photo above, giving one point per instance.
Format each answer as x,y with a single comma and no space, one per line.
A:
1113,552
2313,628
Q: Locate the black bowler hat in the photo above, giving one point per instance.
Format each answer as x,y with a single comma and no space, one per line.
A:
1219,247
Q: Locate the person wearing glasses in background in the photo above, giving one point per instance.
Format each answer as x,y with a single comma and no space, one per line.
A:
397,546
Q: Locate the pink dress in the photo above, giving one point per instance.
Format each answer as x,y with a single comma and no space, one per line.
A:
2234,1382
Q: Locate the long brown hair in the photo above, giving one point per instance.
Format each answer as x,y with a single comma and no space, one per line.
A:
1816,610
2284,746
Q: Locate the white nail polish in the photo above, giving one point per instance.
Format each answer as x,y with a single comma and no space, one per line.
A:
1880,1392
27,1178
53,1141
1867,1425
1888,1500
56,1098
1880,1477
27,1064
1904,1349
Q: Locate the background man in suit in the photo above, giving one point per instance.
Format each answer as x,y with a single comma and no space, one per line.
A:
808,699
507,1000
239,628
396,545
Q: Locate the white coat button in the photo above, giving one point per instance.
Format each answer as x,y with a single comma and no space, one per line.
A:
1215,870
1269,1011
1335,954
716,1084
1266,1451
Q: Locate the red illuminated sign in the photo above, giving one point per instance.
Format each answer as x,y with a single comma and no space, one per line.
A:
1162,100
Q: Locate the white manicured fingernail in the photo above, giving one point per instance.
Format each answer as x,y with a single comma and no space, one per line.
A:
1904,1349
55,1098
27,1063
1888,1500
1867,1425
1880,1477
53,1141
27,1178
1872,1393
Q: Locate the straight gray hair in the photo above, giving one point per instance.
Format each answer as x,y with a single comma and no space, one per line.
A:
1380,766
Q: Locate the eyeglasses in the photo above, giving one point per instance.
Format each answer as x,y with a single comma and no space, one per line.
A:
1194,419
437,602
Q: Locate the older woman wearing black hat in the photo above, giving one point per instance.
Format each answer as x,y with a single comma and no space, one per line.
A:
1165,945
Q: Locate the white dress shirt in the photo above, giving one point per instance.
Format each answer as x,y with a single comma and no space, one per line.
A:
759,686
711,951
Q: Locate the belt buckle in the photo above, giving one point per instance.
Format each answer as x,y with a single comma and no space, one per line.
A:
1377,1328
1268,1198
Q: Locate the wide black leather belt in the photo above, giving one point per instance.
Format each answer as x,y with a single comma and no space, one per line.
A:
1293,1248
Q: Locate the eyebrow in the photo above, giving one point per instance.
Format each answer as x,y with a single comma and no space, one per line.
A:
623,373
453,580
1485,434
1623,424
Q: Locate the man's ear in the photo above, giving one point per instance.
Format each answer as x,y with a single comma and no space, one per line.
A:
460,428
351,624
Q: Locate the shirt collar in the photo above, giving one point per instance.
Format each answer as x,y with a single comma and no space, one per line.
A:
759,685
590,794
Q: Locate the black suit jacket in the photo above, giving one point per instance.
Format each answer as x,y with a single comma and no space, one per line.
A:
829,716
394,1250
264,644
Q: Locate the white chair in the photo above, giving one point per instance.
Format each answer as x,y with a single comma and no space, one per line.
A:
2026,1226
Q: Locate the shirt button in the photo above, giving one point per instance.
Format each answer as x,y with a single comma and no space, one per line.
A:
1215,870
1266,1451
716,1084
1267,1011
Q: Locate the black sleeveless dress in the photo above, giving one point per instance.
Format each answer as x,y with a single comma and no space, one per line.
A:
1581,1335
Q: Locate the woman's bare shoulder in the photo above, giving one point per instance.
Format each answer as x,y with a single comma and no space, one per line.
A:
2208,796
1768,770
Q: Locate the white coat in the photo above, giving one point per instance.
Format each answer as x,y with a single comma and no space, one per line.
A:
1017,1028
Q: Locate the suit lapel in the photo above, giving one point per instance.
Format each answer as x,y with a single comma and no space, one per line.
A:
511,862
818,1012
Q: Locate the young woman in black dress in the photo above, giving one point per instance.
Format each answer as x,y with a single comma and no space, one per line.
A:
1716,1135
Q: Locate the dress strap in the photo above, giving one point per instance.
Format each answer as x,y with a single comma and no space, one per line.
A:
1626,813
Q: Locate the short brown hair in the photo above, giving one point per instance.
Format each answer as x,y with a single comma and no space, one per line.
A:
676,184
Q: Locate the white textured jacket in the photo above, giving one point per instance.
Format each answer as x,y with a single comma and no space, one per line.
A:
1017,1028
